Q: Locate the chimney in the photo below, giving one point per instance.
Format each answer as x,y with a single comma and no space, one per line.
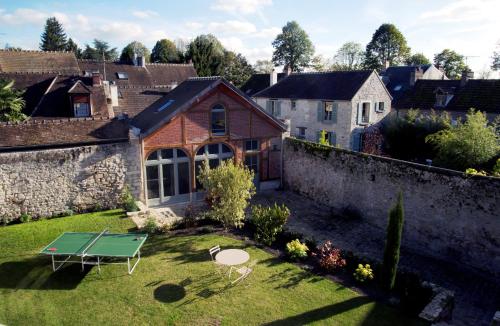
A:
273,78
96,79
113,92
141,61
415,75
466,75
387,64
287,70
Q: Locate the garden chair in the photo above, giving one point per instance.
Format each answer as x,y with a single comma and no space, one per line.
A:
219,268
244,271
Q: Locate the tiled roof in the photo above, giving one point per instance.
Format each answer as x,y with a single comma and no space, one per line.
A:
481,94
38,61
259,82
155,74
133,100
335,85
397,78
43,133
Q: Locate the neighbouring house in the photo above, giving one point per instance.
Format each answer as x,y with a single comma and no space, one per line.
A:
399,79
259,82
341,103
456,97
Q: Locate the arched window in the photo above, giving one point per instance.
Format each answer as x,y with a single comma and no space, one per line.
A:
218,119
215,153
167,175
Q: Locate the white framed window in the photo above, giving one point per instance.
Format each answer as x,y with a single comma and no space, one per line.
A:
252,145
379,106
81,110
363,116
441,100
327,111
274,108
301,132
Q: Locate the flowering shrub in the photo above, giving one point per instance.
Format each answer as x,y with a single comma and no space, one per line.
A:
296,250
329,257
268,222
363,273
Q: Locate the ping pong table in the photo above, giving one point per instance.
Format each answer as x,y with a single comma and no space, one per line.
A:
92,248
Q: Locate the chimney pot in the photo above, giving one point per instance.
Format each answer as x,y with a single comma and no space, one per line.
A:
387,64
466,75
96,79
273,78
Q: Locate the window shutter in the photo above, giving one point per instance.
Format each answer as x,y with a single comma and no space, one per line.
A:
376,107
318,135
333,139
320,111
355,142
334,112
278,109
359,118
268,106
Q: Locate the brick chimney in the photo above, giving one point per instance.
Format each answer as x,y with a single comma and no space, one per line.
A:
466,75
96,79
415,75
141,61
273,78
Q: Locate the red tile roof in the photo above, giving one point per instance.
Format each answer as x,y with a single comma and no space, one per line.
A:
38,61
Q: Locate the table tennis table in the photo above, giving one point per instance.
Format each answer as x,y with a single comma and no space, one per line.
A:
92,248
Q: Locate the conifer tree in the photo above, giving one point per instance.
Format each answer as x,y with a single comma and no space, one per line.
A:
393,243
53,36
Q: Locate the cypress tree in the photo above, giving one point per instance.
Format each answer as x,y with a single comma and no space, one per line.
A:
53,36
393,243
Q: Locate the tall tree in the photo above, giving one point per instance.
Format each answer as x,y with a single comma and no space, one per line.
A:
207,54
263,66
96,52
11,102
387,45
53,36
165,51
293,48
393,243
320,63
73,47
452,63
417,59
495,65
133,50
349,56
236,68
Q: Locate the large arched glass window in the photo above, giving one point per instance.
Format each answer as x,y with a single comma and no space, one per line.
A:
167,175
218,119
215,153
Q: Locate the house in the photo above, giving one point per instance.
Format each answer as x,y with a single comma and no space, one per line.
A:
399,79
204,119
456,97
342,103
259,82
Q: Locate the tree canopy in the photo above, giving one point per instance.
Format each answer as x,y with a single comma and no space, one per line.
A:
207,54
417,59
387,44
11,102
452,63
236,68
96,52
348,57
73,47
133,50
165,51
293,48
263,66
495,65
53,36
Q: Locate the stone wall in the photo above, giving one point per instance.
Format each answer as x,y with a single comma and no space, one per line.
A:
53,181
447,215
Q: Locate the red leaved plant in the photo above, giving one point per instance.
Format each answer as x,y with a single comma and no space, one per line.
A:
329,257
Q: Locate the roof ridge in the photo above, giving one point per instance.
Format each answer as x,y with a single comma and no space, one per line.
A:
205,78
33,51
169,64
142,86
32,122
328,72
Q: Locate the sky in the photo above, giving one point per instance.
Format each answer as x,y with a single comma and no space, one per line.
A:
470,27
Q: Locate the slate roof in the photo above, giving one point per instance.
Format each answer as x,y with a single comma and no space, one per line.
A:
259,82
481,94
38,61
132,100
182,97
400,76
55,133
153,74
335,85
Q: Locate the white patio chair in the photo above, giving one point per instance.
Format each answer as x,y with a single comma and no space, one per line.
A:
244,271
214,251
219,268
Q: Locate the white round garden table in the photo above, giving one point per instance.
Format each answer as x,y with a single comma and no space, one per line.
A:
232,257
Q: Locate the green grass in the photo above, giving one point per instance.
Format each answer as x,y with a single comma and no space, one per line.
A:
174,284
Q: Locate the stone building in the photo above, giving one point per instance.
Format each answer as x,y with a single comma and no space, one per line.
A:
342,103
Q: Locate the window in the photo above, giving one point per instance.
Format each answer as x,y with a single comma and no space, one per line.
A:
165,105
397,88
252,162
301,132
293,105
214,153
379,106
274,108
122,75
331,138
251,145
218,120
441,100
81,110
327,111
363,113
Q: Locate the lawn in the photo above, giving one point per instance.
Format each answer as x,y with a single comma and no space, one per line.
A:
174,284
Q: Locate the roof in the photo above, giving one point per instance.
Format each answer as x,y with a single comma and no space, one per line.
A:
397,78
481,94
132,100
182,97
47,133
79,88
335,85
154,74
38,61
259,82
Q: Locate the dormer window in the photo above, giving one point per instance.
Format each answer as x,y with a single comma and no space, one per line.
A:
218,119
80,100
81,110
442,98
122,75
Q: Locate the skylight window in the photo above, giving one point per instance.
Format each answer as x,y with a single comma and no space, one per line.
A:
122,75
397,88
165,105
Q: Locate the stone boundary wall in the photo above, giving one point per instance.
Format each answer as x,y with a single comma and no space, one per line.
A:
448,215
52,181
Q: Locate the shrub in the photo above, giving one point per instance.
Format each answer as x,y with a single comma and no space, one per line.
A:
496,169
150,225
363,273
296,250
269,222
393,243
229,187
471,171
128,201
25,218
329,257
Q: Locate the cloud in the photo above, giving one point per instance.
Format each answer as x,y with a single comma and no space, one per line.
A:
270,32
465,11
232,26
143,14
193,25
241,6
23,16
